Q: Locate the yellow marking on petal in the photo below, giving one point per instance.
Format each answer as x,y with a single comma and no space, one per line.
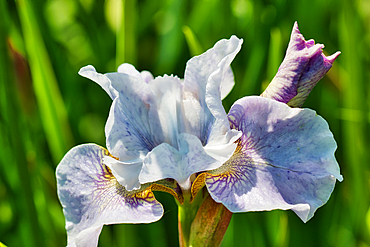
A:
145,192
231,121
198,184
146,195
161,187
108,186
238,149
110,155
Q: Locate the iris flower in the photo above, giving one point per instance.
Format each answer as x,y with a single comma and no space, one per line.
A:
173,135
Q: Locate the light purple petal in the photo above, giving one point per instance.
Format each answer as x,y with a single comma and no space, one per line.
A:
91,197
204,75
128,129
166,161
284,160
143,115
303,66
136,121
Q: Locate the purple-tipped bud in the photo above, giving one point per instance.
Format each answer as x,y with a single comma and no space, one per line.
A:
303,66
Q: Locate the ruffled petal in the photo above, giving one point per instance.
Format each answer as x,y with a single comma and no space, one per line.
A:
146,76
91,196
284,160
131,70
205,75
104,81
166,161
143,115
90,73
303,66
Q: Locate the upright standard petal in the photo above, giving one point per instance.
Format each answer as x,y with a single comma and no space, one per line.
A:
143,116
205,140
227,83
303,66
128,129
206,80
104,81
91,196
90,73
284,160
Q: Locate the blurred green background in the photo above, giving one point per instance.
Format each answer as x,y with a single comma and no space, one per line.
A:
47,108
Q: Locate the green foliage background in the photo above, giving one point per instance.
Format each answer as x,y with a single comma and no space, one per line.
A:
46,108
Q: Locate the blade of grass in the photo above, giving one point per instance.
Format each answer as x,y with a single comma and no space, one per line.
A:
253,70
354,145
275,53
128,41
13,143
52,109
121,15
193,43
171,41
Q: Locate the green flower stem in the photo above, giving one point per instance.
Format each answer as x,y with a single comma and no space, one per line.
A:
186,215
210,224
202,222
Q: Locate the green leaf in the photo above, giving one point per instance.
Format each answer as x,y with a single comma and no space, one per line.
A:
52,109
194,46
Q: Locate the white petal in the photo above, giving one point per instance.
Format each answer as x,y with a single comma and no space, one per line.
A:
130,70
90,72
166,111
227,83
126,173
223,147
146,76
167,162
213,94
204,75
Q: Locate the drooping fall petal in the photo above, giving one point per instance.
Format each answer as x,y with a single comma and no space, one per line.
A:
91,196
284,160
